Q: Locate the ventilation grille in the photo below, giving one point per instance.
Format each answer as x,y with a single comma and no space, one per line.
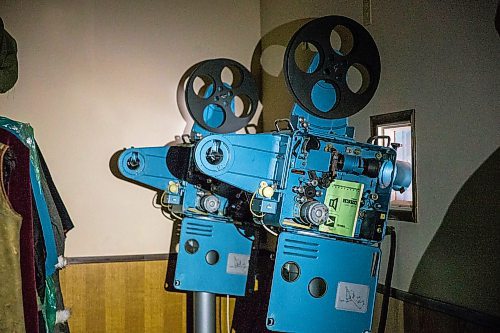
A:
301,249
199,229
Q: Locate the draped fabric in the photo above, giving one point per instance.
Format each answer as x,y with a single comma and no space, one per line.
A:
25,134
11,295
67,223
43,224
18,188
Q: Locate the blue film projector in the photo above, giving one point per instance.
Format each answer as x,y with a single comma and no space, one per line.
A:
325,195
216,235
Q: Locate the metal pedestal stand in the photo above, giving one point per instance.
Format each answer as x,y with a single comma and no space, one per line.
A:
203,312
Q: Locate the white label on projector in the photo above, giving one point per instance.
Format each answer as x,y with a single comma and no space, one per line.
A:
352,297
237,264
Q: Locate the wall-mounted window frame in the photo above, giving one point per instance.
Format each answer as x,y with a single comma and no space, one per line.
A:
400,118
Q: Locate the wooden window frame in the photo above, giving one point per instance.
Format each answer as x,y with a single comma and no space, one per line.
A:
394,118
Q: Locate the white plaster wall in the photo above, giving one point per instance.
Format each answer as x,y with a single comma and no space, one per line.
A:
98,76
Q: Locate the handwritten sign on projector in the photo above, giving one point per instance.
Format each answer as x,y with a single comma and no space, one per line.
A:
352,297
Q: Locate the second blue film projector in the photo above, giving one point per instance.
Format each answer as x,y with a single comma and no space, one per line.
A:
322,193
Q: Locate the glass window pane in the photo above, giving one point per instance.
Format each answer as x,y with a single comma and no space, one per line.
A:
400,133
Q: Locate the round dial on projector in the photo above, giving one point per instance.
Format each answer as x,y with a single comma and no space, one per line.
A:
210,203
314,212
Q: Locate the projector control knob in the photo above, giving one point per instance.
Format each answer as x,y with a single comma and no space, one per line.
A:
314,212
210,203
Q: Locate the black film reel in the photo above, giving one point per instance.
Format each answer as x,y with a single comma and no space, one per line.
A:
357,53
219,104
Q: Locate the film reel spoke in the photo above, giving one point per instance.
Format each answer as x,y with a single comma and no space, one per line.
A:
348,97
309,81
242,104
214,108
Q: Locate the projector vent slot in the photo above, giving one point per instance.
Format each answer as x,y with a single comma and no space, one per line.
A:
296,254
199,229
301,249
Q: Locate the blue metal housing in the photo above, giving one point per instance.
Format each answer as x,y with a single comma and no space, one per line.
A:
228,275
349,271
146,166
284,161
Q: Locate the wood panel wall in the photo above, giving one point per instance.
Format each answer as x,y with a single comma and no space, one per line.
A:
129,297
126,297
404,317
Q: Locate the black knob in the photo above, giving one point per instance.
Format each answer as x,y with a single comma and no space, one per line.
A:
191,246
290,271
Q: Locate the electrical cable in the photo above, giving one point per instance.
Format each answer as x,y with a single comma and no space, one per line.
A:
243,234
260,216
251,210
168,210
269,230
227,314
175,215
154,201
388,281
162,205
161,199
165,214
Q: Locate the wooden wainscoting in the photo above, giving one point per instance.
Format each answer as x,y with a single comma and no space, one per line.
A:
127,297
115,297
413,316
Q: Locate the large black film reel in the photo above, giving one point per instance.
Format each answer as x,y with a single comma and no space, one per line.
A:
221,105
357,51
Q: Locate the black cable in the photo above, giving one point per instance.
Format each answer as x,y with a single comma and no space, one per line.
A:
388,281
